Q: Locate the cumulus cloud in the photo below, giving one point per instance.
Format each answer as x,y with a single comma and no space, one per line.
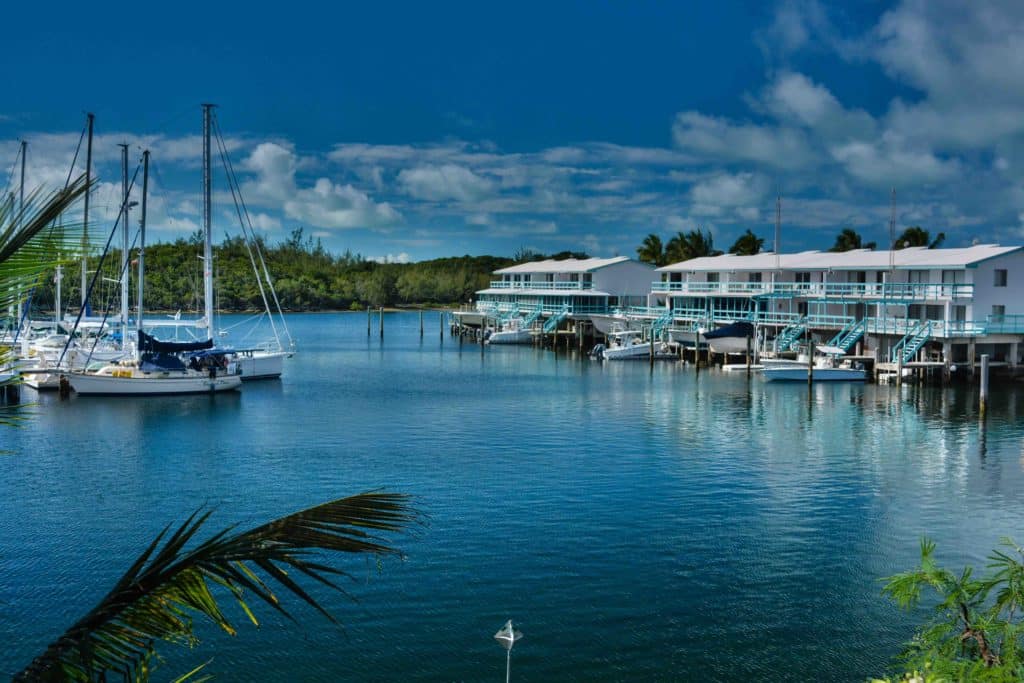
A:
325,204
445,182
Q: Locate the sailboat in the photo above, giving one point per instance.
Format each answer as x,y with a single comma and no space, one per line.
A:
264,361
159,367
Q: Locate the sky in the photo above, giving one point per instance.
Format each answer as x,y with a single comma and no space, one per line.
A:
408,131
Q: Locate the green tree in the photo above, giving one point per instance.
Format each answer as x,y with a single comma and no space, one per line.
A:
176,578
916,236
849,239
975,632
652,250
31,245
693,244
747,244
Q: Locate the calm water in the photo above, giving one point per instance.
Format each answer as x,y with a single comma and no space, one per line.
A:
637,525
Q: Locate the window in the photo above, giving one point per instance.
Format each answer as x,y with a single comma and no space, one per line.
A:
998,311
712,277
755,277
1000,277
803,278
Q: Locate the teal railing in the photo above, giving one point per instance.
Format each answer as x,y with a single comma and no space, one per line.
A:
551,324
912,341
789,335
898,291
849,335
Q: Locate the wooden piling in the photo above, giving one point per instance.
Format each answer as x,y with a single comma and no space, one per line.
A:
440,320
810,362
367,321
421,324
748,356
381,314
984,385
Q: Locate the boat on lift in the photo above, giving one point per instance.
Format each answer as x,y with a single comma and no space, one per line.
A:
827,367
731,338
512,332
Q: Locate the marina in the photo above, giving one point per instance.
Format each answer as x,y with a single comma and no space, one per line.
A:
688,507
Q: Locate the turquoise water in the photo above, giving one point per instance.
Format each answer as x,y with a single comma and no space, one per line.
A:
637,525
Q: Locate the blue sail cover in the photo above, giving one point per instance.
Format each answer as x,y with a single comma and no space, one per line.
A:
148,343
738,329
158,362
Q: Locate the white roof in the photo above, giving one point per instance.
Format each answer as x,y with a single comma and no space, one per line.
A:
569,265
912,258
539,289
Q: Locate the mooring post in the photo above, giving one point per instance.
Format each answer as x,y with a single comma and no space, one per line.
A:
421,325
367,320
381,319
984,385
651,348
748,356
440,326
810,362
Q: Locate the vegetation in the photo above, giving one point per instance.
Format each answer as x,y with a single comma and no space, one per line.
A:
916,236
31,245
976,631
849,239
681,247
747,244
307,277
167,585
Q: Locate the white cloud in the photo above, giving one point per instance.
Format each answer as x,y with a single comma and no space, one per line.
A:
716,138
445,182
402,257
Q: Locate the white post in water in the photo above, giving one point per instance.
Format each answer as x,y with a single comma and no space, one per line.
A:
507,637
984,384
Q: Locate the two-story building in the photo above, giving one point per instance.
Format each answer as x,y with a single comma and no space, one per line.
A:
947,304
567,288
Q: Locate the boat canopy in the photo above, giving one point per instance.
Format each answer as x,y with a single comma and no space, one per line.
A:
152,344
158,362
739,329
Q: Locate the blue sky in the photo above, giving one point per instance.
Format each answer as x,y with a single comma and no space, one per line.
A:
413,130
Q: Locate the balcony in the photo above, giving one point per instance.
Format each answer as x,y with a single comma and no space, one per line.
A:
895,291
541,284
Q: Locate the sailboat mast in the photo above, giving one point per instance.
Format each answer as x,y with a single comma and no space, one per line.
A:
124,244
207,225
142,234
21,218
85,221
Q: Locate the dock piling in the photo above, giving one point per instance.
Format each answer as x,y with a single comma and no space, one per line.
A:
367,321
748,356
421,324
810,362
381,322
984,385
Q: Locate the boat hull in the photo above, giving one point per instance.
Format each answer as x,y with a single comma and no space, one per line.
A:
106,385
636,351
798,374
510,337
261,364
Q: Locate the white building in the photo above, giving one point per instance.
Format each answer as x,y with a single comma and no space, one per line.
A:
916,303
575,288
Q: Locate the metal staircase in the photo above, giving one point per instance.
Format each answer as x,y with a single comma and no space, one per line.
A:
907,348
849,335
789,335
661,324
532,317
551,324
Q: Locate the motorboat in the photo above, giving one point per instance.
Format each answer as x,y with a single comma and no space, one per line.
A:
624,345
732,338
512,332
826,368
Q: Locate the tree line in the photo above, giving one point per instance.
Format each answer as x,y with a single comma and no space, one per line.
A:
696,243
306,276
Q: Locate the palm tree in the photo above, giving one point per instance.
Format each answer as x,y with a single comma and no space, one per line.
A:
747,244
849,239
30,246
652,251
167,584
916,236
693,244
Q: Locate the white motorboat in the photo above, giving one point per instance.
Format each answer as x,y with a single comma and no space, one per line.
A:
625,345
511,332
733,338
827,368
260,363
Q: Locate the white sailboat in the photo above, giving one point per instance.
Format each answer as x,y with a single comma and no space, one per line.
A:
159,367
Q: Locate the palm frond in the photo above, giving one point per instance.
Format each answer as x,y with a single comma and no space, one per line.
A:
167,584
